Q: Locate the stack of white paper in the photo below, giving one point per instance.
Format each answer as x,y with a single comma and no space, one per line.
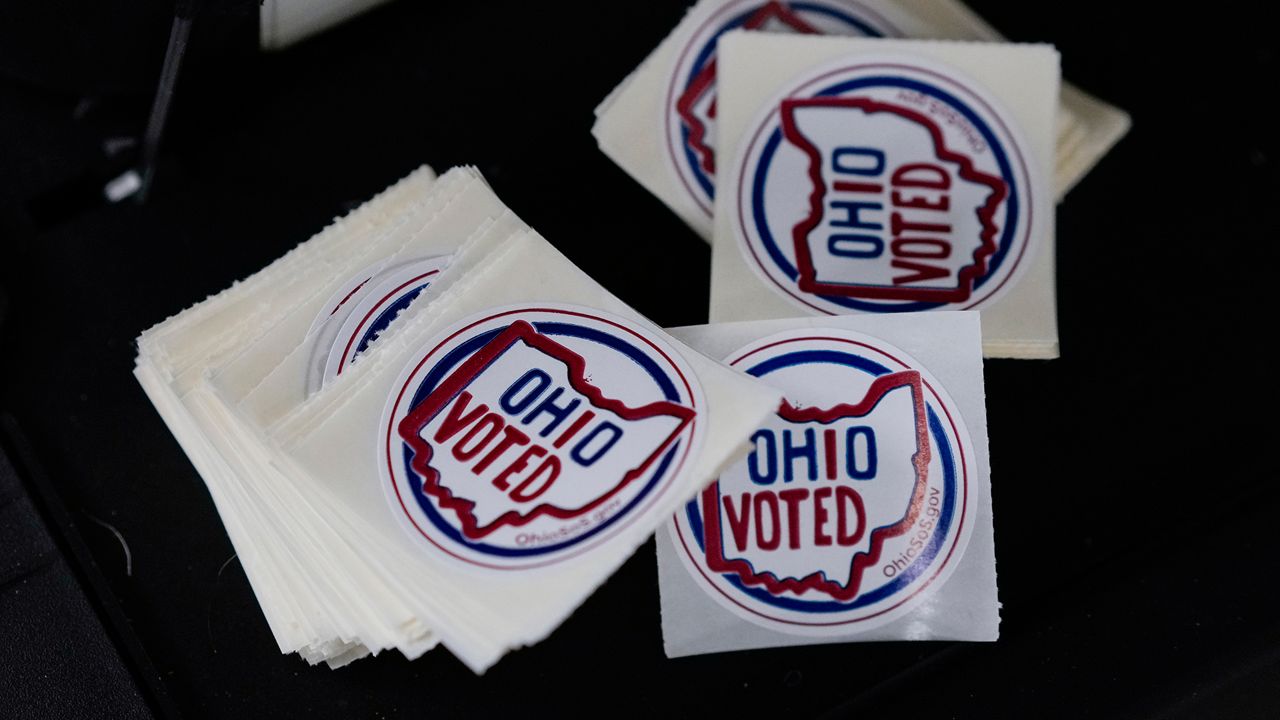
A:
425,425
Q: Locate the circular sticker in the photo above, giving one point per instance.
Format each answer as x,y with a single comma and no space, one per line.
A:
360,310
530,434
690,108
855,498
890,185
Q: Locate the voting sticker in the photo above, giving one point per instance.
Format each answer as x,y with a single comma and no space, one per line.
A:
887,184
857,497
531,434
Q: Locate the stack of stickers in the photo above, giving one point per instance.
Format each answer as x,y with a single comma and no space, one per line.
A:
862,173
425,425
865,170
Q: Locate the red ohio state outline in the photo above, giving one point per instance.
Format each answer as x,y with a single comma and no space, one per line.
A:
706,78
807,280
411,426
882,385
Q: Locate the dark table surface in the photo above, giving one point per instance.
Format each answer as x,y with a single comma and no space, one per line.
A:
1135,498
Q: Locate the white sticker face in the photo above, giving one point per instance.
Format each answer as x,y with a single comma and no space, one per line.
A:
889,185
361,309
857,496
690,108
530,434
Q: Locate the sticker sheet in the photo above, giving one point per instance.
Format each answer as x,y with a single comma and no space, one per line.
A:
515,440
863,511
887,176
660,123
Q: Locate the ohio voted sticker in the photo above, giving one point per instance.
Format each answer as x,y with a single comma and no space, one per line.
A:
857,497
530,434
360,310
690,108
887,185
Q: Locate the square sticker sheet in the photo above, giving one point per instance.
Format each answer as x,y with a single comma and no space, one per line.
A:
660,123
864,509
887,176
425,426
515,440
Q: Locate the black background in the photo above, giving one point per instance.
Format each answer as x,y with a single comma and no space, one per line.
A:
1134,479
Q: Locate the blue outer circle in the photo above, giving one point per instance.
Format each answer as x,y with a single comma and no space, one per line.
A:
922,561
388,314
704,56
564,329
1007,237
